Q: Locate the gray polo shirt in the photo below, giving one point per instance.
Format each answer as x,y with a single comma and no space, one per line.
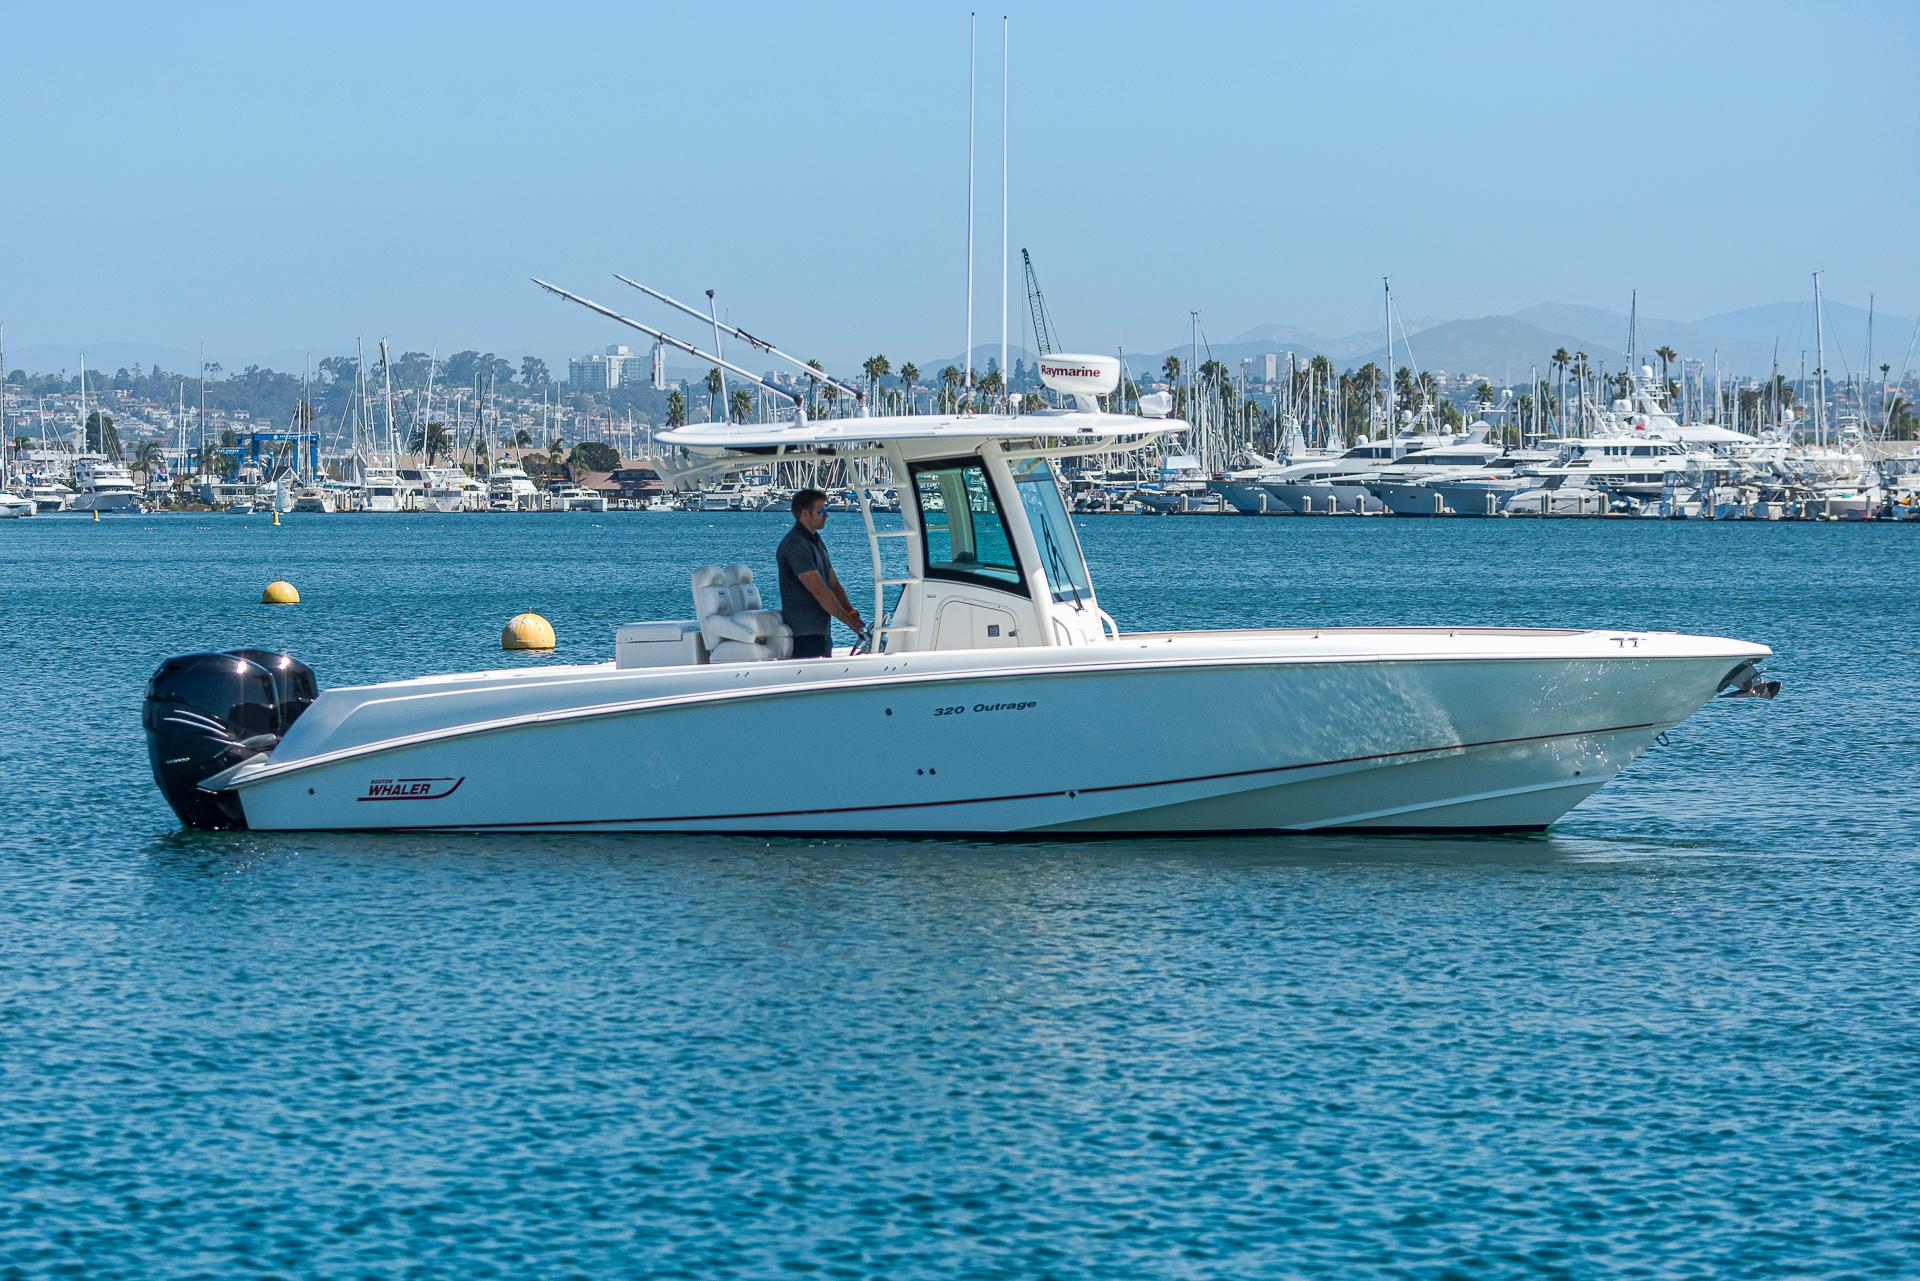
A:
801,550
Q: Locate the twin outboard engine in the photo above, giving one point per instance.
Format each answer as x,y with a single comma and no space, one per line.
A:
206,713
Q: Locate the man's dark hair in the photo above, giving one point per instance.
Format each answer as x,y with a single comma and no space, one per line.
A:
805,499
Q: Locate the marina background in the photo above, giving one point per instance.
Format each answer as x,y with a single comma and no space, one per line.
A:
1674,1034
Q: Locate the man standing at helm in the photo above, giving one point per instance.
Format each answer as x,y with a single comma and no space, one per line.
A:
811,596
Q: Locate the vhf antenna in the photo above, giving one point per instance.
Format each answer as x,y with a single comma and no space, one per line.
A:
758,344
799,402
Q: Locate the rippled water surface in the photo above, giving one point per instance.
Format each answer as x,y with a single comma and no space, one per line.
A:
1676,1036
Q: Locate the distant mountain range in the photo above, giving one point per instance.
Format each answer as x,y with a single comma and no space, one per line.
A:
1499,348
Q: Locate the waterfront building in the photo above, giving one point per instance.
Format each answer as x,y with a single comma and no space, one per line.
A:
618,366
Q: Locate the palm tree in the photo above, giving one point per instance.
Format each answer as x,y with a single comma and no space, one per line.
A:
1667,356
992,384
1559,361
715,382
742,404
1171,368
908,373
813,385
676,410
950,381
876,368
146,458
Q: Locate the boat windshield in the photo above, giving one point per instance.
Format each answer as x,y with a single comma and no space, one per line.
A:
1052,530
963,533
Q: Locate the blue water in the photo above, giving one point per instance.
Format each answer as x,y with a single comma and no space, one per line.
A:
1675,1037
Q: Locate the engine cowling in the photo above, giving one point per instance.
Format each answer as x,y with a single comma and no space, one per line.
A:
205,713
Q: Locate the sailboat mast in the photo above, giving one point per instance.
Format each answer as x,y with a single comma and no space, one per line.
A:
1819,366
202,416
1866,374
1386,292
386,374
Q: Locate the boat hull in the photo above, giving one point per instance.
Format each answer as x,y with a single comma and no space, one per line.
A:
974,743
1325,498
105,501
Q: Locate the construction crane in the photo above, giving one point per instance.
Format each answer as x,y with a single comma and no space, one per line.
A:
1037,304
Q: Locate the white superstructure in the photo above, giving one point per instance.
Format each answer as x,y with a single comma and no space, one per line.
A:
103,486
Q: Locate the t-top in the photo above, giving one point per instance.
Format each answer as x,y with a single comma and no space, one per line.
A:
801,550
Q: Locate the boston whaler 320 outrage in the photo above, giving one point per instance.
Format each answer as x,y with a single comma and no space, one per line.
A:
993,695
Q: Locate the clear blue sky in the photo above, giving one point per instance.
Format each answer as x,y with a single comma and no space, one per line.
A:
266,177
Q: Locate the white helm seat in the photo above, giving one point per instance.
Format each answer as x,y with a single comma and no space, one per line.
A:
736,625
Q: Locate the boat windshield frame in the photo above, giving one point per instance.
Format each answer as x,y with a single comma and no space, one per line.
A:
1010,578
1039,492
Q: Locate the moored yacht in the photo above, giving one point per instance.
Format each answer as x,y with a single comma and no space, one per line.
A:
381,489
992,693
49,496
578,498
103,485
510,489
1324,486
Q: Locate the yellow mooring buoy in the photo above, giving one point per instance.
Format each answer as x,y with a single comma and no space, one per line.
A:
276,516
527,631
96,515
280,592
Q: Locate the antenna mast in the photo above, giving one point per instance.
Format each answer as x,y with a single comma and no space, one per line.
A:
1037,304
973,45
1006,385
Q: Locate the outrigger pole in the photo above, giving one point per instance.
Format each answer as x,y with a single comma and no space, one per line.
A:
799,402
758,344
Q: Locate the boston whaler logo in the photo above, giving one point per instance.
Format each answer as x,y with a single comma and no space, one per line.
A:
412,789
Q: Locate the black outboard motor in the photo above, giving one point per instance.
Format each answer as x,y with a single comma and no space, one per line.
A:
208,712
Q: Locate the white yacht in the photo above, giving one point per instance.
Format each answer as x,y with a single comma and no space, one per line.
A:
578,498
1179,484
1407,486
510,489
313,498
993,693
451,489
49,496
1631,471
14,506
1330,486
104,486
381,488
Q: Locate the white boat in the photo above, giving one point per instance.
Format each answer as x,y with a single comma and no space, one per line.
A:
15,506
1330,486
993,694
104,486
313,498
578,498
49,496
450,489
510,489
1409,486
381,488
